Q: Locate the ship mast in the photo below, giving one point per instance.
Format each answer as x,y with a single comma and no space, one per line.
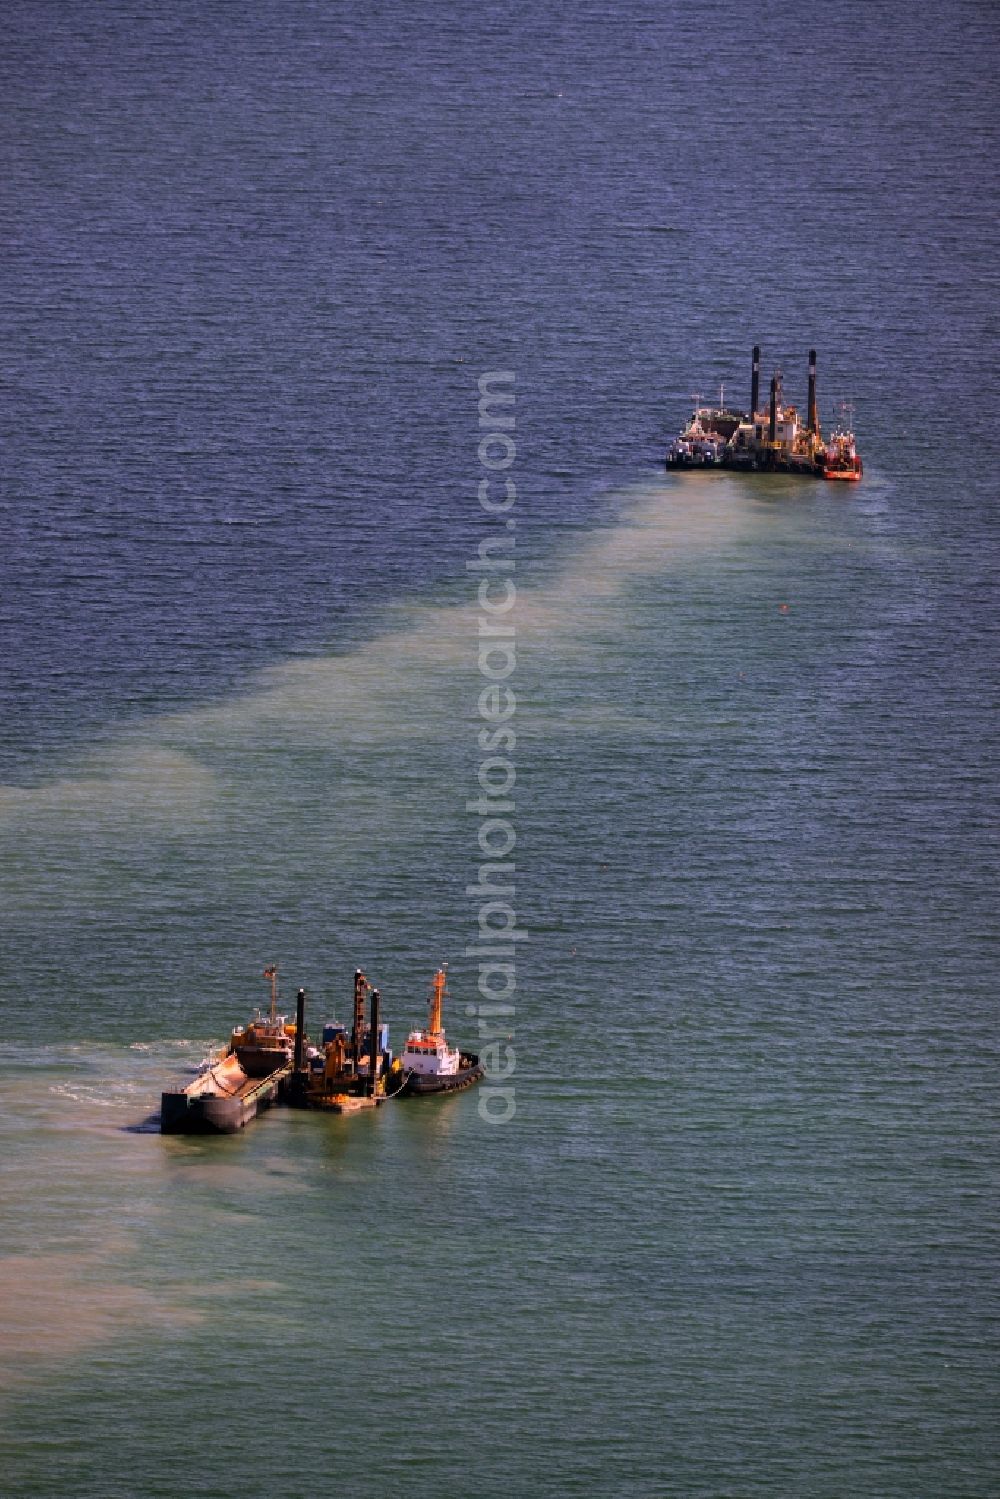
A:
437,996
271,973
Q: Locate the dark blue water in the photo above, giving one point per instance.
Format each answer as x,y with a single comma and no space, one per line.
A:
740,1237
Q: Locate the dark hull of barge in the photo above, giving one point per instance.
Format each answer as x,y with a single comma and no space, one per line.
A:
219,1105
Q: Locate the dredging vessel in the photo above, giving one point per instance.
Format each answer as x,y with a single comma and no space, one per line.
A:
351,1070
270,1061
769,439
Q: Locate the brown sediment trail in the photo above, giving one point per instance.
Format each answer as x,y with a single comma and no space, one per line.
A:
52,1306
375,692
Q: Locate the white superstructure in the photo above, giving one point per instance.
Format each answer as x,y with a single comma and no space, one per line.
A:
430,1056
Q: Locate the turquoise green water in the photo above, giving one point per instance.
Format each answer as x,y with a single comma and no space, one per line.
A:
735,1238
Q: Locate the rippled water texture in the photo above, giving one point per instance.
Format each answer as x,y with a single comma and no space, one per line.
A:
740,1236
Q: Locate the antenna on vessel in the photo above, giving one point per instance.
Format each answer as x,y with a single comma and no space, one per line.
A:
722,395
845,411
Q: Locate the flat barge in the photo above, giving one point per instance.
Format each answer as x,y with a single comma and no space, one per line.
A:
221,1100
242,1080
767,439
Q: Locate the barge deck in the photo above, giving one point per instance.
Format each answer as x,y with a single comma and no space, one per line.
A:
221,1100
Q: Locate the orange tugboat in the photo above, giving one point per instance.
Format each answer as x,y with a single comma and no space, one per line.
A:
429,1064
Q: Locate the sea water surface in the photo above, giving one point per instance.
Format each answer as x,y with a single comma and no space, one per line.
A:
740,1237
